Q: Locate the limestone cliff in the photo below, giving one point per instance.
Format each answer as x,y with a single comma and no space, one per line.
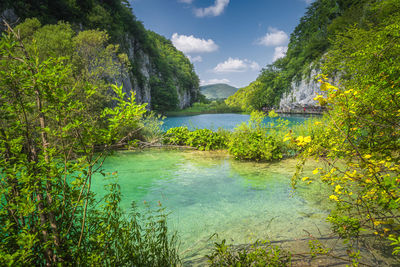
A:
145,67
301,95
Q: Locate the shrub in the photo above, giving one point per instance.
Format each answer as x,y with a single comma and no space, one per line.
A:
252,141
202,139
151,130
205,139
250,144
177,136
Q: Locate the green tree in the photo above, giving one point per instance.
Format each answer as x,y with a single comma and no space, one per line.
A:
175,76
93,59
50,147
362,141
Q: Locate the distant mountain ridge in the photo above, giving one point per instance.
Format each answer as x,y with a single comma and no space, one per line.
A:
218,91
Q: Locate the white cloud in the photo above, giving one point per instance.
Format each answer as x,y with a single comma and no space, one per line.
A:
274,37
308,1
195,59
214,10
236,65
280,51
214,81
191,44
186,1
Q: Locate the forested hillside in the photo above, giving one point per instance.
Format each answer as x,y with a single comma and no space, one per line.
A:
311,40
152,59
218,91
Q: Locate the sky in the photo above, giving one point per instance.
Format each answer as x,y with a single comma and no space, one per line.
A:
228,41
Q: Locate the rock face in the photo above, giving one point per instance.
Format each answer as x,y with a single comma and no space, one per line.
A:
129,81
185,98
301,97
146,69
9,16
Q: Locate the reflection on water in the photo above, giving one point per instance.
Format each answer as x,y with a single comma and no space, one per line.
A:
209,193
227,121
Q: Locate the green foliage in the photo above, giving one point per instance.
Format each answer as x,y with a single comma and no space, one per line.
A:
260,253
396,244
50,147
205,139
115,17
345,226
202,139
177,136
151,129
93,60
313,126
361,139
317,248
138,239
176,74
164,94
256,141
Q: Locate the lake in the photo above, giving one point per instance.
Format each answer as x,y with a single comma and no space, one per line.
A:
227,121
210,197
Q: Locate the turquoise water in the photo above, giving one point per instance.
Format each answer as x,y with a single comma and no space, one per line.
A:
214,121
208,193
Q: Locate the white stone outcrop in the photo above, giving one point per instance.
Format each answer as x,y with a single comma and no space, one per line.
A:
302,95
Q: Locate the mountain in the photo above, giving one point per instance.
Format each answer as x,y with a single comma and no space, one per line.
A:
159,74
218,91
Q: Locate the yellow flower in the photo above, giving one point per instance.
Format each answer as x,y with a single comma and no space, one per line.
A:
305,178
333,197
337,188
287,137
321,100
301,141
376,223
315,171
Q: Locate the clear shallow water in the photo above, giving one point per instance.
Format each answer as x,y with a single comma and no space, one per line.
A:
227,121
208,193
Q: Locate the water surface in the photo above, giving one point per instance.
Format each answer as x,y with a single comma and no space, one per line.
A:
209,193
227,121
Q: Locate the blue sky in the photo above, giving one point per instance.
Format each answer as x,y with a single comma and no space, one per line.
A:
227,40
